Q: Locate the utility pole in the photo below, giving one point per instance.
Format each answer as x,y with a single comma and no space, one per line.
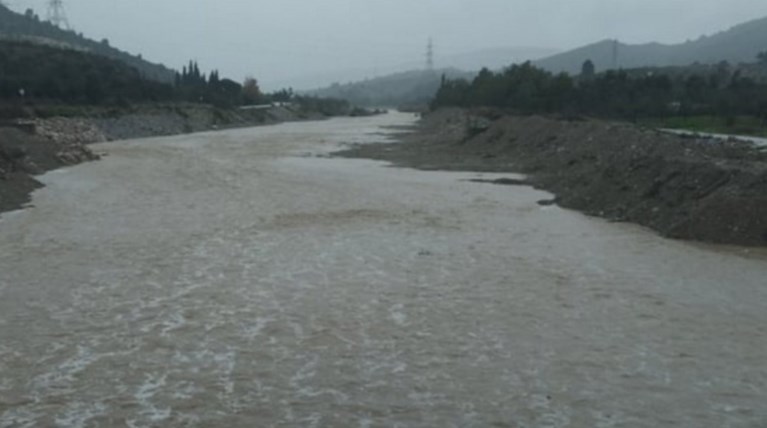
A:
430,55
56,14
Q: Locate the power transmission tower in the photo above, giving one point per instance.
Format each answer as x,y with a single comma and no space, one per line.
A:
430,55
56,14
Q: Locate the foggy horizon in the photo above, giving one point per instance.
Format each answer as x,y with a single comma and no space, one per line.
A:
295,42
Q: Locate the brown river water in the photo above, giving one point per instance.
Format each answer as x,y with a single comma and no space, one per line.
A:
243,279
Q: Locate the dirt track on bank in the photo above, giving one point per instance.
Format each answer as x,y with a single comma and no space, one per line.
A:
683,187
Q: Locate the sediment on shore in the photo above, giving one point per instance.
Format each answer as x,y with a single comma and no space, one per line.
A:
33,145
694,188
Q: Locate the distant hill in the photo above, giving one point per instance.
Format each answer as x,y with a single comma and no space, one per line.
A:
39,72
495,58
492,58
30,28
400,89
739,44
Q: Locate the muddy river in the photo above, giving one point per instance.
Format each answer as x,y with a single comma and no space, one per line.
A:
245,279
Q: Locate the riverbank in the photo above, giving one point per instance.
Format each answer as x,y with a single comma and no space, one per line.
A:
683,187
56,137
242,279
24,155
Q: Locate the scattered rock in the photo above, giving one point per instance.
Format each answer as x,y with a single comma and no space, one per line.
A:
683,187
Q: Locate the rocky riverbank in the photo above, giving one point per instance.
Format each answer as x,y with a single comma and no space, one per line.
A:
683,187
32,146
24,155
151,121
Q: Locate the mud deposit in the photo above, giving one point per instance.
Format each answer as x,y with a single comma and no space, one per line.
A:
238,279
688,187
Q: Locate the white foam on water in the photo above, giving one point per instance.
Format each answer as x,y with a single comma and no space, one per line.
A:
175,321
63,375
20,417
77,415
227,362
144,396
254,330
397,314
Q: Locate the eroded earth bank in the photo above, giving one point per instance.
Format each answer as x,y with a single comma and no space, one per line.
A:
691,187
34,144
237,279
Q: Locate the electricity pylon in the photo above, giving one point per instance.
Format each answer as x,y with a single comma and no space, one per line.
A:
430,55
56,14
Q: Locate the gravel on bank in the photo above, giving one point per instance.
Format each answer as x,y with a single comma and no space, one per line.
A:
24,155
683,187
29,147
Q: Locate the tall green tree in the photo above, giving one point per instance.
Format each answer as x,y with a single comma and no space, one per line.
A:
588,70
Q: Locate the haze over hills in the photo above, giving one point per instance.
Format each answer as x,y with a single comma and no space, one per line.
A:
412,85
416,87
29,27
496,58
466,61
739,44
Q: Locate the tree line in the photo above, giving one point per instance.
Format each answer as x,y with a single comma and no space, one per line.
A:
31,71
192,85
720,90
35,73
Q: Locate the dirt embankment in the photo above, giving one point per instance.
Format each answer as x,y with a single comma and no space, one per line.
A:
688,188
32,146
152,121
24,155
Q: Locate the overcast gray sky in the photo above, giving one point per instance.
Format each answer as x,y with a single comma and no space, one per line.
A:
279,41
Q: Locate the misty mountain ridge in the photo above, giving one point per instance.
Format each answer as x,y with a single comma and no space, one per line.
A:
410,85
468,61
409,88
739,44
29,28
496,58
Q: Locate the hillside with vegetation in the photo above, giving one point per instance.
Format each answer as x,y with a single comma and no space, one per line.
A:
38,72
29,27
739,44
411,88
722,97
45,80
